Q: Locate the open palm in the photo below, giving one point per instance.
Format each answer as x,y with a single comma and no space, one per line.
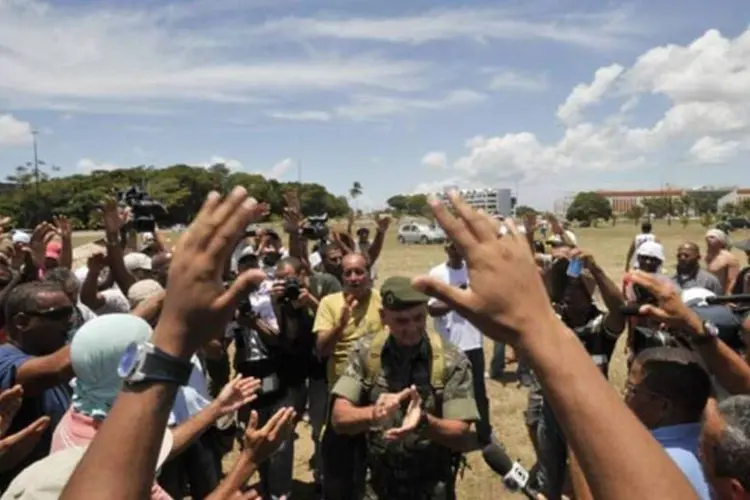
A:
411,418
236,394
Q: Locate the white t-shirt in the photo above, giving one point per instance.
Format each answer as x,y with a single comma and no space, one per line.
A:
453,327
191,398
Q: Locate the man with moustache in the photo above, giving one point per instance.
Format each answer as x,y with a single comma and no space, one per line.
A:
689,272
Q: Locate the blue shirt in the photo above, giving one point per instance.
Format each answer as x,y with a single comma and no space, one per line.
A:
53,402
681,443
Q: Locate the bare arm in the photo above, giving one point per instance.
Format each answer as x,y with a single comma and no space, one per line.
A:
349,419
612,297
731,371
41,373
733,270
90,295
629,255
190,430
452,434
581,488
578,393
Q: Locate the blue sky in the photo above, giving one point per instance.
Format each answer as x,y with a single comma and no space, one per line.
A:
549,96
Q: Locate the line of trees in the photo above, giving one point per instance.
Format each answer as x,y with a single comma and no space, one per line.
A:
591,206
181,188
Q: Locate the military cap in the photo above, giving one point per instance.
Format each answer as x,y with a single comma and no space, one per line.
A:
398,293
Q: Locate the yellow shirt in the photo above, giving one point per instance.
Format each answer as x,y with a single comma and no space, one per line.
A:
365,320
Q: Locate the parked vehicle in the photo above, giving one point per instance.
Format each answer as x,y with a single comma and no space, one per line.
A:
739,223
420,233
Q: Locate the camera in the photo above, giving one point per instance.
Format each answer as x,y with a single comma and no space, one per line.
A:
145,209
316,227
292,289
245,308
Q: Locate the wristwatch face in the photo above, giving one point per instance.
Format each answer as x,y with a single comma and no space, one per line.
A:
128,361
711,329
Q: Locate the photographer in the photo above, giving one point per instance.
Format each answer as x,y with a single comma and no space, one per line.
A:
575,280
255,332
645,332
295,300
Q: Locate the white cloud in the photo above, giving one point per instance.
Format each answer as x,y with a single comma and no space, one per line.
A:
585,95
512,80
435,159
301,116
708,150
14,132
88,165
365,107
81,57
278,170
598,31
705,84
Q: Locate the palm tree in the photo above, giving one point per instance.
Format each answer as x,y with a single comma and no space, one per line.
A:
355,192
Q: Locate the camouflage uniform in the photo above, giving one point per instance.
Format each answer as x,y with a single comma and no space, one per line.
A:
413,468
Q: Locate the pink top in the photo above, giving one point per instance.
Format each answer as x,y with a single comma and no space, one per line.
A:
76,429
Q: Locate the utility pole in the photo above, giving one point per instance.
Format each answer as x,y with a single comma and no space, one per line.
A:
36,164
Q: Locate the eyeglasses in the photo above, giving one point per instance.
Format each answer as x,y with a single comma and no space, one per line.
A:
53,313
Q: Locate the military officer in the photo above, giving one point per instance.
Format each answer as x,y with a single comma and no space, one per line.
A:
411,394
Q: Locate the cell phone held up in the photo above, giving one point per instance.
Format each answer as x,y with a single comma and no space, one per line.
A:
575,267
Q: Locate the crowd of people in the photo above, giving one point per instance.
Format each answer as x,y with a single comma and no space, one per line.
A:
134,376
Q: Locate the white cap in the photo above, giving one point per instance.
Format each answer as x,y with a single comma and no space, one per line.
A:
21,237
143,290
569,235
46,478
137,260
696,296
651,249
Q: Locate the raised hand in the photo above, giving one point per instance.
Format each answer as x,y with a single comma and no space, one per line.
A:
111,216
350,303
97,261
383,222
16,447
507,298
669,308
197,304
63,226
411,418
236,394
38,243
262,443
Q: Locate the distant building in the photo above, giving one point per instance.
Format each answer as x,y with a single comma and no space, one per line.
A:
492,201
6,187
623,201
734,197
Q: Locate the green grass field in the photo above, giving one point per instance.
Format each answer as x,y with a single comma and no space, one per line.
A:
508,401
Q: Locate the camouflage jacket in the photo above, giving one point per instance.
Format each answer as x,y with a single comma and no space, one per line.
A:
413,468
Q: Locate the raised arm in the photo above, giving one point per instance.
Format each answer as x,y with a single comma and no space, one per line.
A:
507,302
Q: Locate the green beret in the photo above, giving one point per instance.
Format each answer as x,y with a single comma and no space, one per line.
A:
398,293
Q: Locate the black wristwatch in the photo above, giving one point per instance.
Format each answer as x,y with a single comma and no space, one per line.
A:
710,334
144,362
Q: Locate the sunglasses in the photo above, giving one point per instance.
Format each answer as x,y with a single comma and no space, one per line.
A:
53,313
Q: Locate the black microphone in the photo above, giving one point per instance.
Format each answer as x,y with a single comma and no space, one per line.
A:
515,477
741,298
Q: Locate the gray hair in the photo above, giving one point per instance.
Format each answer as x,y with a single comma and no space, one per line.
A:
732,453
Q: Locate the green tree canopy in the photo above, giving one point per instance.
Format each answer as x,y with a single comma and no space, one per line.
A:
404,204
522,210
588,206
181,188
